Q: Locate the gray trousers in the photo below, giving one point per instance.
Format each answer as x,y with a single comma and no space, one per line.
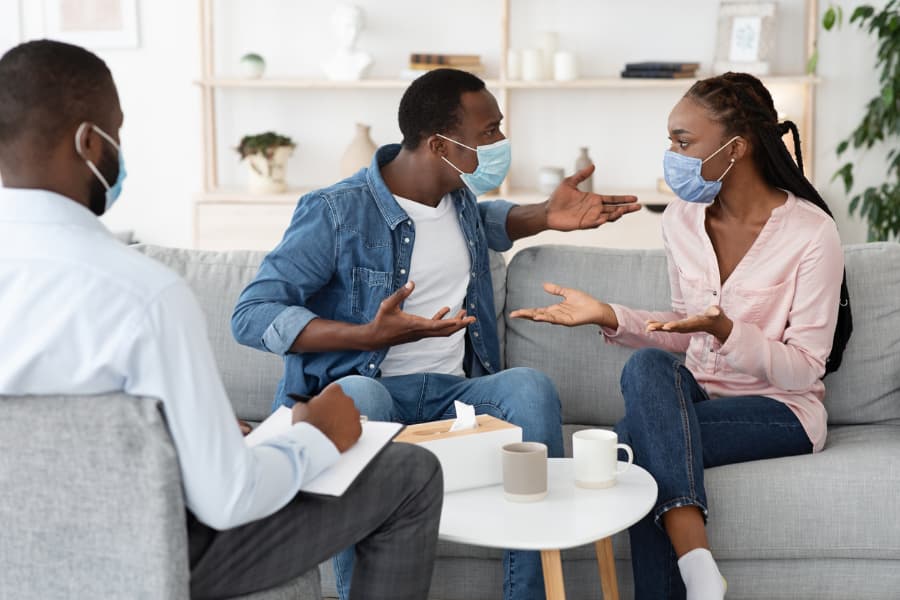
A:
391,512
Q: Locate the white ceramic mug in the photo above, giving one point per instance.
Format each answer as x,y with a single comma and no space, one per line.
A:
525,471
596,458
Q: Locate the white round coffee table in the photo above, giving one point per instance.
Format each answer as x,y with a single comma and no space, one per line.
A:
569,516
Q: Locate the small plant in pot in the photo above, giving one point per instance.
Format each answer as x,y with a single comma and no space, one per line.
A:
266,156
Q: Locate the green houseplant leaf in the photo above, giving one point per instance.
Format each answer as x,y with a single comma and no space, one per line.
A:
878,205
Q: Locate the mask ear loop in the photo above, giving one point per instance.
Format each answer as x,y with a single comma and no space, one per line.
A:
726,171
446,160
89,162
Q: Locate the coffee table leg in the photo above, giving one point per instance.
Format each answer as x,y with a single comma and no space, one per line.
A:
608,582
553,575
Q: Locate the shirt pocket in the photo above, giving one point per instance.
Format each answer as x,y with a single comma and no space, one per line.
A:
369,288
696,295
760,305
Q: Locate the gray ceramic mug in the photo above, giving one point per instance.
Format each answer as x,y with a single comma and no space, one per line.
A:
525,471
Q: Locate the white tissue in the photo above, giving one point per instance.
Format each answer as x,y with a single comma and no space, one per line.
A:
465,417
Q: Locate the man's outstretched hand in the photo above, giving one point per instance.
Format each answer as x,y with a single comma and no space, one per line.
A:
569,209
392,326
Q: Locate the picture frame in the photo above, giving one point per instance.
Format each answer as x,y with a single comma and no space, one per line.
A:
746,37
93,23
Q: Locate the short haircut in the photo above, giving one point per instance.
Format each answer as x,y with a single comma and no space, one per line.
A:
431,104
47,88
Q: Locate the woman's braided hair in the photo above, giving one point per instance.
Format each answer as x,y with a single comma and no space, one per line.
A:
743,105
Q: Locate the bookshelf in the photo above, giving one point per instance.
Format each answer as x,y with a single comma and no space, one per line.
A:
229,217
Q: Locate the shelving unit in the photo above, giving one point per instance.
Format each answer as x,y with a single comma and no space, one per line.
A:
233,218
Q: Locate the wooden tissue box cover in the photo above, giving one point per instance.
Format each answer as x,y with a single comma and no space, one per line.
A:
469,458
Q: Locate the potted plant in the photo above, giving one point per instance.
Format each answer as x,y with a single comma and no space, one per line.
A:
266,156
879,205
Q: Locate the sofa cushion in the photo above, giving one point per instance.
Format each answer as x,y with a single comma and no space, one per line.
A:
586,370
866,389
217,279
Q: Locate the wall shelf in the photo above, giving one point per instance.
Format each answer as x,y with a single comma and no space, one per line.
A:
236,218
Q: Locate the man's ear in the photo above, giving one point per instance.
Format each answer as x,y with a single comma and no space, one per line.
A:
88,145
436,145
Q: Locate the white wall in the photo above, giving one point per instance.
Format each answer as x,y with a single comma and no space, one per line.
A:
625,130
161,133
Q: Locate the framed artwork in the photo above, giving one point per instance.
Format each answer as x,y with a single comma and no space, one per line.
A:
746,37
92,23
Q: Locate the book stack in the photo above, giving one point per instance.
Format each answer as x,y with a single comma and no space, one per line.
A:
661,70
419,63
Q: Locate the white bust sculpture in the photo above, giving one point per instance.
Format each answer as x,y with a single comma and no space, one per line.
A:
348,64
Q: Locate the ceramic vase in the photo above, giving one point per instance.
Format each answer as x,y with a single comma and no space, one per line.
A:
581,162
359,153
266,175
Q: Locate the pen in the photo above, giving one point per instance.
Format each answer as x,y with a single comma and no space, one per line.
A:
363,419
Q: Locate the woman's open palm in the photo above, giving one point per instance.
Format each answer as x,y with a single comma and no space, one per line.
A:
577,308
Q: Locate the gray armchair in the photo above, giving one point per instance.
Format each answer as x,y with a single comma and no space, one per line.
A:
91,504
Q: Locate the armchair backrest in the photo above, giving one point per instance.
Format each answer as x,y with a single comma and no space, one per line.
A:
91,504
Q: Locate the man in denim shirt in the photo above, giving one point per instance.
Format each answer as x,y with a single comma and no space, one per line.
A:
382,281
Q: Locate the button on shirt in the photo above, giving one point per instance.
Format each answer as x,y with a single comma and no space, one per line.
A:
783,298
84,314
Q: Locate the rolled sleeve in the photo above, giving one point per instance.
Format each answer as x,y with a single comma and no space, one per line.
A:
494,215
280,335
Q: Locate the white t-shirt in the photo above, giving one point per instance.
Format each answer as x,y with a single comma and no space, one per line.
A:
440,267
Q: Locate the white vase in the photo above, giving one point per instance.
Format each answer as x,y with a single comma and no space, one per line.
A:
359,153
267,175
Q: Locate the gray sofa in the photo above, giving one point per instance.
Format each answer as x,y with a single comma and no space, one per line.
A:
825,526
821,526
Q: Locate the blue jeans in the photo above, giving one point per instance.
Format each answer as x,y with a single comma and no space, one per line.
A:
524,397
676,431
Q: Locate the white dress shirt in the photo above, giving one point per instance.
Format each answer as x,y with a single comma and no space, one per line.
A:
80,313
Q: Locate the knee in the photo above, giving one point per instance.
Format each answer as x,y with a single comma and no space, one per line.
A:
421,466
370,397
533,389
641,366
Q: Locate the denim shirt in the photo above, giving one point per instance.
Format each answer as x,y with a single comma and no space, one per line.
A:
348,247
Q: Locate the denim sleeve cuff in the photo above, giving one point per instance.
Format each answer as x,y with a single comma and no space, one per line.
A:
280,335
495,214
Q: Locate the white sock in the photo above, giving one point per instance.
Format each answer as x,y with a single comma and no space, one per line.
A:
701,575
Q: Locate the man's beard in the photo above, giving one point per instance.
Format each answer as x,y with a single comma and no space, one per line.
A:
109,168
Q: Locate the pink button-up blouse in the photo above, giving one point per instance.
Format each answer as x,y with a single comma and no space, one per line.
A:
783,298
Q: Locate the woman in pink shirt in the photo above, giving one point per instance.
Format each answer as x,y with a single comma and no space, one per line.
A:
759,307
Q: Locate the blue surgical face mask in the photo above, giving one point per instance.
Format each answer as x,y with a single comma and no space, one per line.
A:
682,174
112,191
493,165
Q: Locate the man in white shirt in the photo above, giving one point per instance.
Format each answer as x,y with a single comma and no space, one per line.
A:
84,314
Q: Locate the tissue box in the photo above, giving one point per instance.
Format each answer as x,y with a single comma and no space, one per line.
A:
469,458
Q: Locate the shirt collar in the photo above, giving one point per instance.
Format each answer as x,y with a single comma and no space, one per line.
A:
18,205
384,199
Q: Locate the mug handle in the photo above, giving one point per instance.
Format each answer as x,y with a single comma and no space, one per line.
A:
630,454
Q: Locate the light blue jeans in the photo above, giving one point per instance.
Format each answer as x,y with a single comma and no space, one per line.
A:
524,397
676,431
